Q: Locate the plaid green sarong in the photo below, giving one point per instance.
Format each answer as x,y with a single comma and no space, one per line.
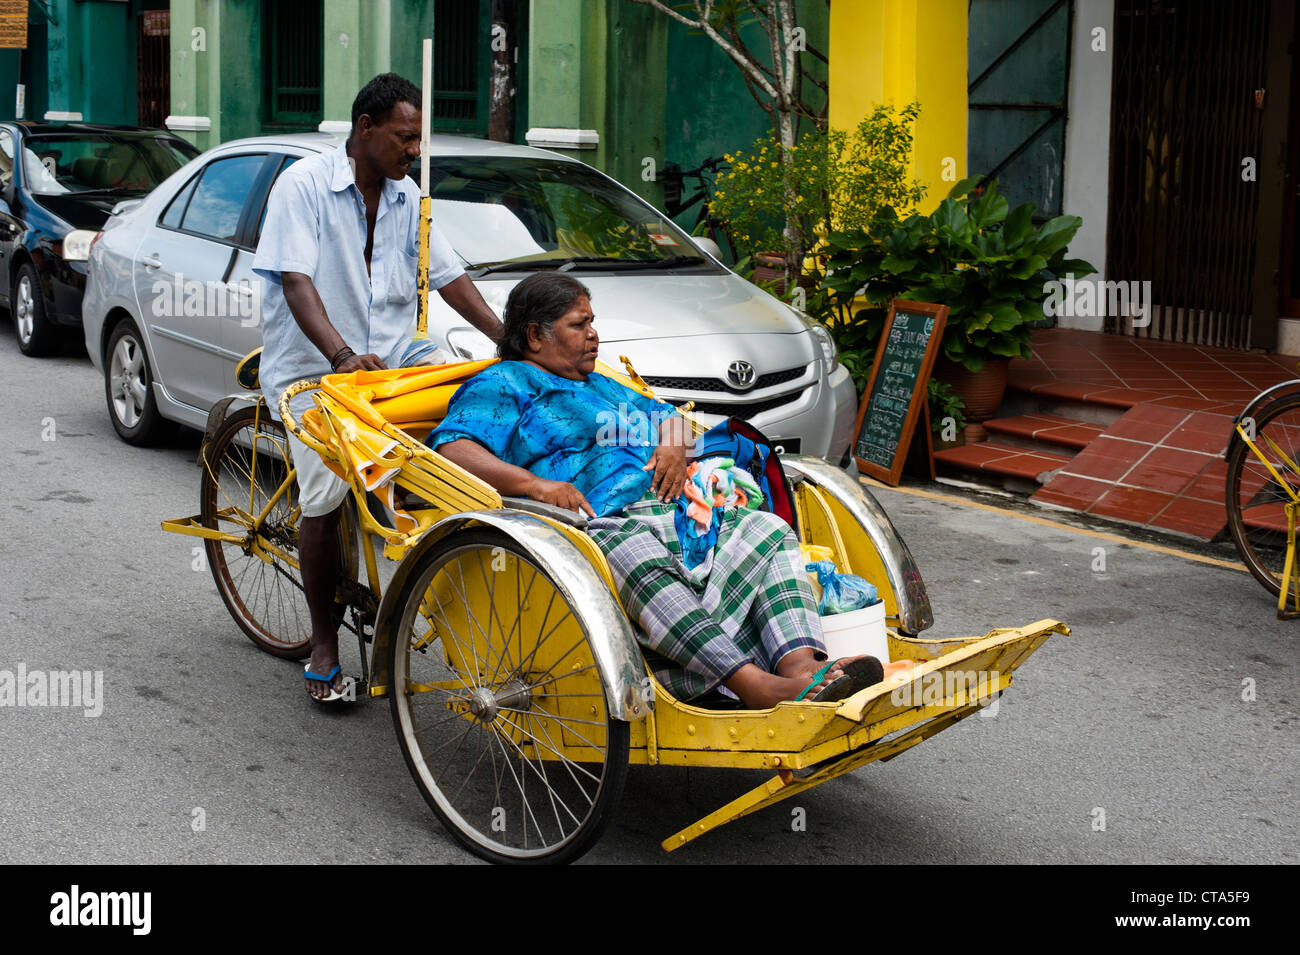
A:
747,602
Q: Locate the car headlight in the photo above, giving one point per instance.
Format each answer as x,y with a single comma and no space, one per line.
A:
829,354
76,245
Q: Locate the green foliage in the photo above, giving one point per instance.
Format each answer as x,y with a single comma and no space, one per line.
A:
831,180
986,262
944,403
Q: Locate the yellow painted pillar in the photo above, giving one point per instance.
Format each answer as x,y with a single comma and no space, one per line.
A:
897,51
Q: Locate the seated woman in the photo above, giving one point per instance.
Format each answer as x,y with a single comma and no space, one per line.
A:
542,424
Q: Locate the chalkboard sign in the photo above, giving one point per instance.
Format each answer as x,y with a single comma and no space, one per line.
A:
896,391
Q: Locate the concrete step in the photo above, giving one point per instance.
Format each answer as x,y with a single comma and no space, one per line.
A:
1059,402
1053,434
1013,468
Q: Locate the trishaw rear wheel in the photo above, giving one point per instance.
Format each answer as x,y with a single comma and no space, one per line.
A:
245,466
499,706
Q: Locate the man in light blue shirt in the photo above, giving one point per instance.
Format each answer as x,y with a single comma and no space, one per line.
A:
339,254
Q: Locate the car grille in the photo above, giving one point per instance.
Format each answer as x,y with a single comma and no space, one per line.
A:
745,410
717,384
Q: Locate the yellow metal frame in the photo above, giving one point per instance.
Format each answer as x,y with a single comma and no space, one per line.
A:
361,426
1290,566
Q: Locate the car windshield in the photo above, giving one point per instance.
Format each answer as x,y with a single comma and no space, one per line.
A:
126,165
522,212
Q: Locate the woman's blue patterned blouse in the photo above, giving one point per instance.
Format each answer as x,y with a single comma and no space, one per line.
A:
596,434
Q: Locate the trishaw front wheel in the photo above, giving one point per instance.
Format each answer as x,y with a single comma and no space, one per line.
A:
499,706
246,491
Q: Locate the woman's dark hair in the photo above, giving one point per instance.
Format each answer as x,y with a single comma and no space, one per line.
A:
378,97
539,299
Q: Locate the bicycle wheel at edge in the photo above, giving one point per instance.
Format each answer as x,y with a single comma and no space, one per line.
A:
1254,499
259,579
499,707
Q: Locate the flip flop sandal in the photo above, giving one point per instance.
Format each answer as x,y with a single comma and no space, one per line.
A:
868,667
858,675
348,692
817,678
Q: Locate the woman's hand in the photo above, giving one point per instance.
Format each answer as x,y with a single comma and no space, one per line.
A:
560,494
668,462
669,465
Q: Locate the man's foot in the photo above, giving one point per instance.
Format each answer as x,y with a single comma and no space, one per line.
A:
327,683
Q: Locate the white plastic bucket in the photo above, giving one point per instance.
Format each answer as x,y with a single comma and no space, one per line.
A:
857,632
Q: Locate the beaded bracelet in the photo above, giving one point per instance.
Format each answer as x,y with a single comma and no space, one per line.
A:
343,354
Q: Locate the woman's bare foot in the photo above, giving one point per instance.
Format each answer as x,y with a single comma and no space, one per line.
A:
760,690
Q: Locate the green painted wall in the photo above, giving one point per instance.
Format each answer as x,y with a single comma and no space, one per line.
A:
635,97
566,83
239,74
8,81
709,110
216,71
79,36
410,22
358,38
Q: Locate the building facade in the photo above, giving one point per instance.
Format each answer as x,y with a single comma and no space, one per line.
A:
1166,126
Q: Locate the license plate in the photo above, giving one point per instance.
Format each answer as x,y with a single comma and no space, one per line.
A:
787,445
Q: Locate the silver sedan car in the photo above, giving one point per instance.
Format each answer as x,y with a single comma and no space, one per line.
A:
172,304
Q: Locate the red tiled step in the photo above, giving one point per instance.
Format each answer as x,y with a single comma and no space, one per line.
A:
1047,428
1001,459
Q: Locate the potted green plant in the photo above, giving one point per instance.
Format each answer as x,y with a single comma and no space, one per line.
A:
989,264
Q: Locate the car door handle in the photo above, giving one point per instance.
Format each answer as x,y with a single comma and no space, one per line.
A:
151,261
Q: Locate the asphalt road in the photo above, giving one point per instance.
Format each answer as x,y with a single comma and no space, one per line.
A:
1137,719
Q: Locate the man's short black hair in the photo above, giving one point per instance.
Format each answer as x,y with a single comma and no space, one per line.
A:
378,97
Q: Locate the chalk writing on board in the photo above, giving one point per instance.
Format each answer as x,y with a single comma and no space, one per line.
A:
891,393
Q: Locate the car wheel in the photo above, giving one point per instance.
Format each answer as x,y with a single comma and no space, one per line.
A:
36,336
128,386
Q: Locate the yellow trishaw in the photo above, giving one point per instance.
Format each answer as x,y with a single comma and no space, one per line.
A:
518,689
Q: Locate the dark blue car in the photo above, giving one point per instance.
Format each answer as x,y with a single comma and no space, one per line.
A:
59,182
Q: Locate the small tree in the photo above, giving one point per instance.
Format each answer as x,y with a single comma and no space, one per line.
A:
776,82
841,180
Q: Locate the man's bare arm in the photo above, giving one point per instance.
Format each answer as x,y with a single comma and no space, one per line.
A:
309,312
464,297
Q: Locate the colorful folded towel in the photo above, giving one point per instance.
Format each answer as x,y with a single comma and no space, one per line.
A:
712,486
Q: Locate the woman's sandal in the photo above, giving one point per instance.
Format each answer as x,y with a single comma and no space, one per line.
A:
858,675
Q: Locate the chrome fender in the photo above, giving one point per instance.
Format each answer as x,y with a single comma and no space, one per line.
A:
222,410
914,613
613,641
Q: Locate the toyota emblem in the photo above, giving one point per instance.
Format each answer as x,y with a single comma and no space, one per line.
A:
741,374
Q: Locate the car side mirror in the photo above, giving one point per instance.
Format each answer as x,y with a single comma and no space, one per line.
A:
708,245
